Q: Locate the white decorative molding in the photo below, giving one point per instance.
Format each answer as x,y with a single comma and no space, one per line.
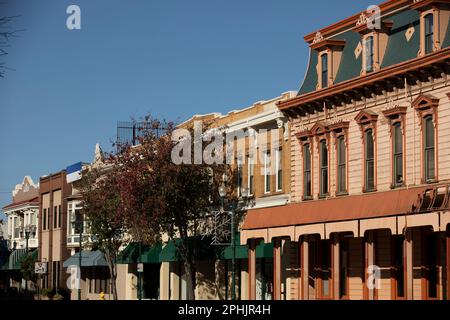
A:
409,33
361,20
358,50
318,37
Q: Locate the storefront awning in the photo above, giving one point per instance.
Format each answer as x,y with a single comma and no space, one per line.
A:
131,254
88,259
263,250
370,205
202,250
14,261
201,247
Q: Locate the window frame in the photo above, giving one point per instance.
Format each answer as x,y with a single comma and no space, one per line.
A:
426,106
369,56
367,120
323,143
431,33
44,219
367,161
397,129
307,196
267,184
426,150
324,81
239,175
339,130
250,174
279,169
341,165
397,117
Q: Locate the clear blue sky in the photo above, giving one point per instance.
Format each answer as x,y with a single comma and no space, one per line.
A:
170,58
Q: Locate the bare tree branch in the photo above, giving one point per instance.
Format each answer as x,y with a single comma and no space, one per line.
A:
6,34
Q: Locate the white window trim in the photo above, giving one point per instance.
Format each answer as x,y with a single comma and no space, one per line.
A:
266,169
277,167
240,177
249,170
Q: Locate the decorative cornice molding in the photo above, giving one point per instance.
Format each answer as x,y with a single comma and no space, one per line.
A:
349,22
351,84
394,111
425,4
425,101
328,44
365,117
318,37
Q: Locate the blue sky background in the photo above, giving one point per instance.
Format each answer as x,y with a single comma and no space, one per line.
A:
171,58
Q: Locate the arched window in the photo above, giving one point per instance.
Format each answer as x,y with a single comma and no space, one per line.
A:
369,54
429,165
369,161
323,168
429,33
398,154
341,165
307,192
324,66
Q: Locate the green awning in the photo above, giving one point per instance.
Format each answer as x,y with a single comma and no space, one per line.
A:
201,247
169,252
263,250
151,255
33,254
88,259
14,260
129,255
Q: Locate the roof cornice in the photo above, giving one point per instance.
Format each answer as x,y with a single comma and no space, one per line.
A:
391,71
350,21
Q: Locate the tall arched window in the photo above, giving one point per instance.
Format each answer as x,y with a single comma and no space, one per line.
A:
369,54
323,168
341,165
324,66
307,191
369,161
398,154
429,165
429,33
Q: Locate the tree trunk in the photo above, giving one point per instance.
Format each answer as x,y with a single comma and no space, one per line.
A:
189,266
110,259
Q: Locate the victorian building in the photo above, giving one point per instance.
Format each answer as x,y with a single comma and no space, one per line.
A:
21,234
370,171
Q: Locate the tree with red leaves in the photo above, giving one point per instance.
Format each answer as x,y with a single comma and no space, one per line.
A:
101,202
159,197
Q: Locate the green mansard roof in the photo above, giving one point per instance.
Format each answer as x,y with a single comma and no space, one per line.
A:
398,49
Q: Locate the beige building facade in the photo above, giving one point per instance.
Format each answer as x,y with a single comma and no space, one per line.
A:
369,217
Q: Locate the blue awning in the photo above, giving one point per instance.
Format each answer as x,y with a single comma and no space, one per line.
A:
88,259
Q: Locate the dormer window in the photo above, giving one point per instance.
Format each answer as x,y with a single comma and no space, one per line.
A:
429,33
374,43
432,31
369,54
330,53
324,67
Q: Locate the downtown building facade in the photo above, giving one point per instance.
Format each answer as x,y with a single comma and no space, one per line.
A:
351,200
369,213
21,237
162,275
